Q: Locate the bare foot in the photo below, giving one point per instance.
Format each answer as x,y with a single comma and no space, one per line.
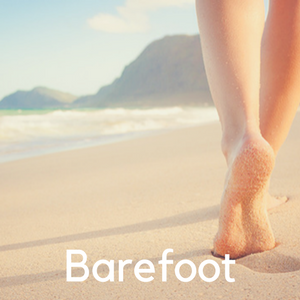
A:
244,226
273,202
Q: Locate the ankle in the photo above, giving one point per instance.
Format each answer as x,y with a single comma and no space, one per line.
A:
230,143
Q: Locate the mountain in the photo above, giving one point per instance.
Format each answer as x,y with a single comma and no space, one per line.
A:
37,98
169,72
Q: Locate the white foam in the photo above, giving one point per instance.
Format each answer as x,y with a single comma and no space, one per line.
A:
107,121
67,126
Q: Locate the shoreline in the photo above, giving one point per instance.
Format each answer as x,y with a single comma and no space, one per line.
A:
88,142
92,142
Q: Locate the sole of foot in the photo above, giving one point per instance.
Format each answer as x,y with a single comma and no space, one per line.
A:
244,226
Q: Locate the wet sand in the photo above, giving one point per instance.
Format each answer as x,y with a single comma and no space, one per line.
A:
133,200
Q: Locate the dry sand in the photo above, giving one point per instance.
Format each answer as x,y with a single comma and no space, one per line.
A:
133,200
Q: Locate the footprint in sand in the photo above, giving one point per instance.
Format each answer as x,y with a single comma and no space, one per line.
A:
270,262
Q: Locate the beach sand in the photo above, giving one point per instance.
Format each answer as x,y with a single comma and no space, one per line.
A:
133,200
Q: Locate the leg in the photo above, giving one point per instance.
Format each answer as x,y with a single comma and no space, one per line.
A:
231,34
280,71
280,75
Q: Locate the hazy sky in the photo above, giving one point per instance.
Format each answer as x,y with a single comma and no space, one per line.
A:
78,46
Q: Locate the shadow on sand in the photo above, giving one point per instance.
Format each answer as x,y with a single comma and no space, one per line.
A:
192,217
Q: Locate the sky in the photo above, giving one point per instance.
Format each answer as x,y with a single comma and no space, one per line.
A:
77,46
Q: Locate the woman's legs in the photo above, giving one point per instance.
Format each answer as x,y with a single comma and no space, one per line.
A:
231,34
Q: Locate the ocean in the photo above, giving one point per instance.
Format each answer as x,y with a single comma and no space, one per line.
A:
27,133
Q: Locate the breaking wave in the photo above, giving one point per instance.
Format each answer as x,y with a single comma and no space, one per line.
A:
49,131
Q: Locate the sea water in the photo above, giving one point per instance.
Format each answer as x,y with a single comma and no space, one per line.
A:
27,133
